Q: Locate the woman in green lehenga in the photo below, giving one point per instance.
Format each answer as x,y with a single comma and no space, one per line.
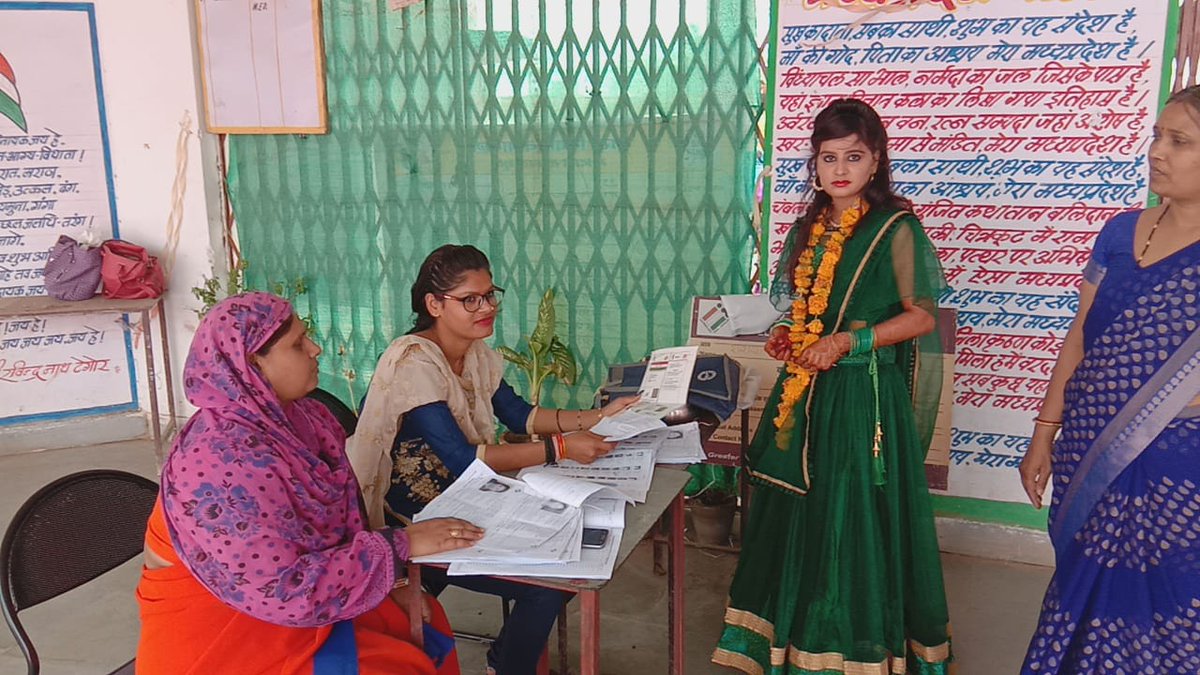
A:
839,571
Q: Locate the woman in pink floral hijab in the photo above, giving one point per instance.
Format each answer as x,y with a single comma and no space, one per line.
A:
258,558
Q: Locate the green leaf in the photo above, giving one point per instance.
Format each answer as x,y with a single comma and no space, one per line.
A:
536,379
548,356
519,360
563,361
235,283
543,332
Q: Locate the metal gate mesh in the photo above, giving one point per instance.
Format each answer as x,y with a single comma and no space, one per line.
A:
606,148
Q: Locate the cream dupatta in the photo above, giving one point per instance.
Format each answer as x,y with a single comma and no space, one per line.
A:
414,372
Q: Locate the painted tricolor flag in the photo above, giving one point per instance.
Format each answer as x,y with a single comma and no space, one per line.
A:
10,99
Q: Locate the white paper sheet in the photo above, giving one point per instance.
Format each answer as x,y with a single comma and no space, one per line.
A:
628,469
519,523
664,388
751,382
565,487
678,444
750,314
629,423
668,375
608,514
593,563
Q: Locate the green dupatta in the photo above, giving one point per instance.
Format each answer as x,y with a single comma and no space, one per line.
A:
889,258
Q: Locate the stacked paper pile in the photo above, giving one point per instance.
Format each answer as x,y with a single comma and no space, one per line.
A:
534,524
532,527
630,467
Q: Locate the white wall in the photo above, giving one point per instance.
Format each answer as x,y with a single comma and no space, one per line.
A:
148,60
148,66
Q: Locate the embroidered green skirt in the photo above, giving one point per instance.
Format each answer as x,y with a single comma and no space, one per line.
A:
838,573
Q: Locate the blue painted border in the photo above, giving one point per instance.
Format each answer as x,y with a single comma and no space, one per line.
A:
65,414
133,404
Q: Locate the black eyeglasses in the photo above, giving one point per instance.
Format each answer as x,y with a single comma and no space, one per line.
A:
474,302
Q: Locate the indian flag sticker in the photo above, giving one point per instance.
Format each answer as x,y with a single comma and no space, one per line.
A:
714,318
10,99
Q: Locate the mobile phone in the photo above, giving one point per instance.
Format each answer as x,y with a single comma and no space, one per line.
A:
594,537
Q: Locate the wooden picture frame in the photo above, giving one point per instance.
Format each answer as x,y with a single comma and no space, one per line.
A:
240,87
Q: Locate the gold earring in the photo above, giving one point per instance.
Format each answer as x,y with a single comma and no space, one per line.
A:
817,184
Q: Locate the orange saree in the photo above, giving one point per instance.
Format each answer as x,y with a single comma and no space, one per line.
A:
186,630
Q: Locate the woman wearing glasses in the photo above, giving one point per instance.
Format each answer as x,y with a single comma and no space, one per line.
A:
431,410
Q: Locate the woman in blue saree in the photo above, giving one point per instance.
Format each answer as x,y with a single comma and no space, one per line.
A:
1123,401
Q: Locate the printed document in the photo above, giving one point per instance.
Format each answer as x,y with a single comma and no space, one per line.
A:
628,469
664,388
529,522
593,563
517,521
678,444
604,513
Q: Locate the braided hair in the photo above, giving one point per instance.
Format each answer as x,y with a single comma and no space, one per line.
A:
440,273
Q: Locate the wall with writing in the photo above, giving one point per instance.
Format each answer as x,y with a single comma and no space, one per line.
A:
1017,129
54,179
88,143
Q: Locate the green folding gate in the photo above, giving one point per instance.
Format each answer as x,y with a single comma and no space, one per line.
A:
603,147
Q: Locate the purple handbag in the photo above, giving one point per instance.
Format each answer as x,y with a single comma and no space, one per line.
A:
72,271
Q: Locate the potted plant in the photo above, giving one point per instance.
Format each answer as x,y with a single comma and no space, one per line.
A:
547,355
713,495
211,291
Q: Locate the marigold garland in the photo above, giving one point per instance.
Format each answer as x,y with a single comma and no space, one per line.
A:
813,283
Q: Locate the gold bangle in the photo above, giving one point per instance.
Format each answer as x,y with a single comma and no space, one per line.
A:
1047,423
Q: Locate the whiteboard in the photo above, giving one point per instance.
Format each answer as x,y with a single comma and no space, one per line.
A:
262,66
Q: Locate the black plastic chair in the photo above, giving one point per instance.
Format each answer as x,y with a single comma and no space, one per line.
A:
345,416
67,534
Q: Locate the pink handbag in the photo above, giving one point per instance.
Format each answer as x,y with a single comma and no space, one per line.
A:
130,272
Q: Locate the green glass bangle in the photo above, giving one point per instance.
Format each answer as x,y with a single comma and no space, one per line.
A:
863,341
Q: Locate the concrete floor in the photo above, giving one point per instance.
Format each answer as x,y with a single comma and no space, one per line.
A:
993,605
